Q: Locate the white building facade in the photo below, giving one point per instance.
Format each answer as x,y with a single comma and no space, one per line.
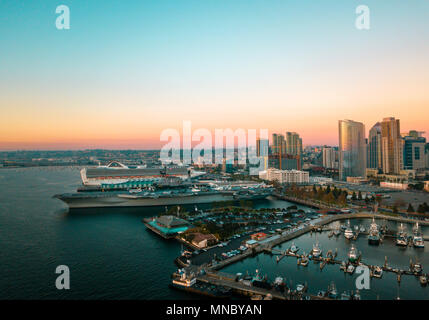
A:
285,176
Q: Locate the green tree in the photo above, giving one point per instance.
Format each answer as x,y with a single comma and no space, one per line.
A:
354,196
410,208
328,189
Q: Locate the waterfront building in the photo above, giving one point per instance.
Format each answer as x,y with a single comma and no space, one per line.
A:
321,180
167,226
357,180
352,149
258,236
374,147
394,185
285,176
391,143
202,241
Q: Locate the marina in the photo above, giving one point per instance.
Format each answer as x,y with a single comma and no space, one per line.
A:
326,225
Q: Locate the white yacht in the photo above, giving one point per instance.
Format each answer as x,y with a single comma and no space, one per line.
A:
348,233
418,240
316,250
401,237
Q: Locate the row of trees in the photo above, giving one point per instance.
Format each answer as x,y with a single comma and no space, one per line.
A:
328,194
422,208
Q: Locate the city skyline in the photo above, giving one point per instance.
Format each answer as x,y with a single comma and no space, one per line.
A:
116,82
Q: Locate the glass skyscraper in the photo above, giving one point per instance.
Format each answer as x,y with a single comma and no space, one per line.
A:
352,149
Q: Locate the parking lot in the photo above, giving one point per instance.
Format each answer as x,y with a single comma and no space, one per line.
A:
236,244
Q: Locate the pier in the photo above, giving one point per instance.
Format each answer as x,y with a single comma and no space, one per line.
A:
228,281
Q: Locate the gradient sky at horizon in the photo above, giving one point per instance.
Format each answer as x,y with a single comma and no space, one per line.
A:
126,70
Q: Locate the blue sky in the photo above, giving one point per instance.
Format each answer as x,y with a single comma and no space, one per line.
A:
218,63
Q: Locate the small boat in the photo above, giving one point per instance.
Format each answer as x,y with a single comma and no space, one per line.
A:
293,248
316,252
345,296
343,266
321,294
337,231
304,260
362,229
350,269
356,295
423,279
332,291
377,272
417,268
353,254
300,288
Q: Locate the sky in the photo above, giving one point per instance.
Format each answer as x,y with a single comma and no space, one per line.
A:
127,70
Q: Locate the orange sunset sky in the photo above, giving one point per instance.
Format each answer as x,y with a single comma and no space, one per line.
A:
288,66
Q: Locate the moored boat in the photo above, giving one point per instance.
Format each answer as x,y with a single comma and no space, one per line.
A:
348,232
316,252
353,254
418,241
374,233
401,236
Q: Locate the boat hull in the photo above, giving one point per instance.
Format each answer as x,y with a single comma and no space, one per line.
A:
116,200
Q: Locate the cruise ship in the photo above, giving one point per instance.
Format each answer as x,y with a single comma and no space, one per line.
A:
117,185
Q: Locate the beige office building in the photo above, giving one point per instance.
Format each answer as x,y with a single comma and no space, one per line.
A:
391,144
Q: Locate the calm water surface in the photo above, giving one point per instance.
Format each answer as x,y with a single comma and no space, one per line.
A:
111,255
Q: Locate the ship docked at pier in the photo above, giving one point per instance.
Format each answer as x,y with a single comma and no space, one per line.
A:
117,185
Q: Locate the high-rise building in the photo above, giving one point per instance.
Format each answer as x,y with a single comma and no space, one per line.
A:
293,144
328,155
427,155
414,152
262,146
278,144
352,149
391,145
374,147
